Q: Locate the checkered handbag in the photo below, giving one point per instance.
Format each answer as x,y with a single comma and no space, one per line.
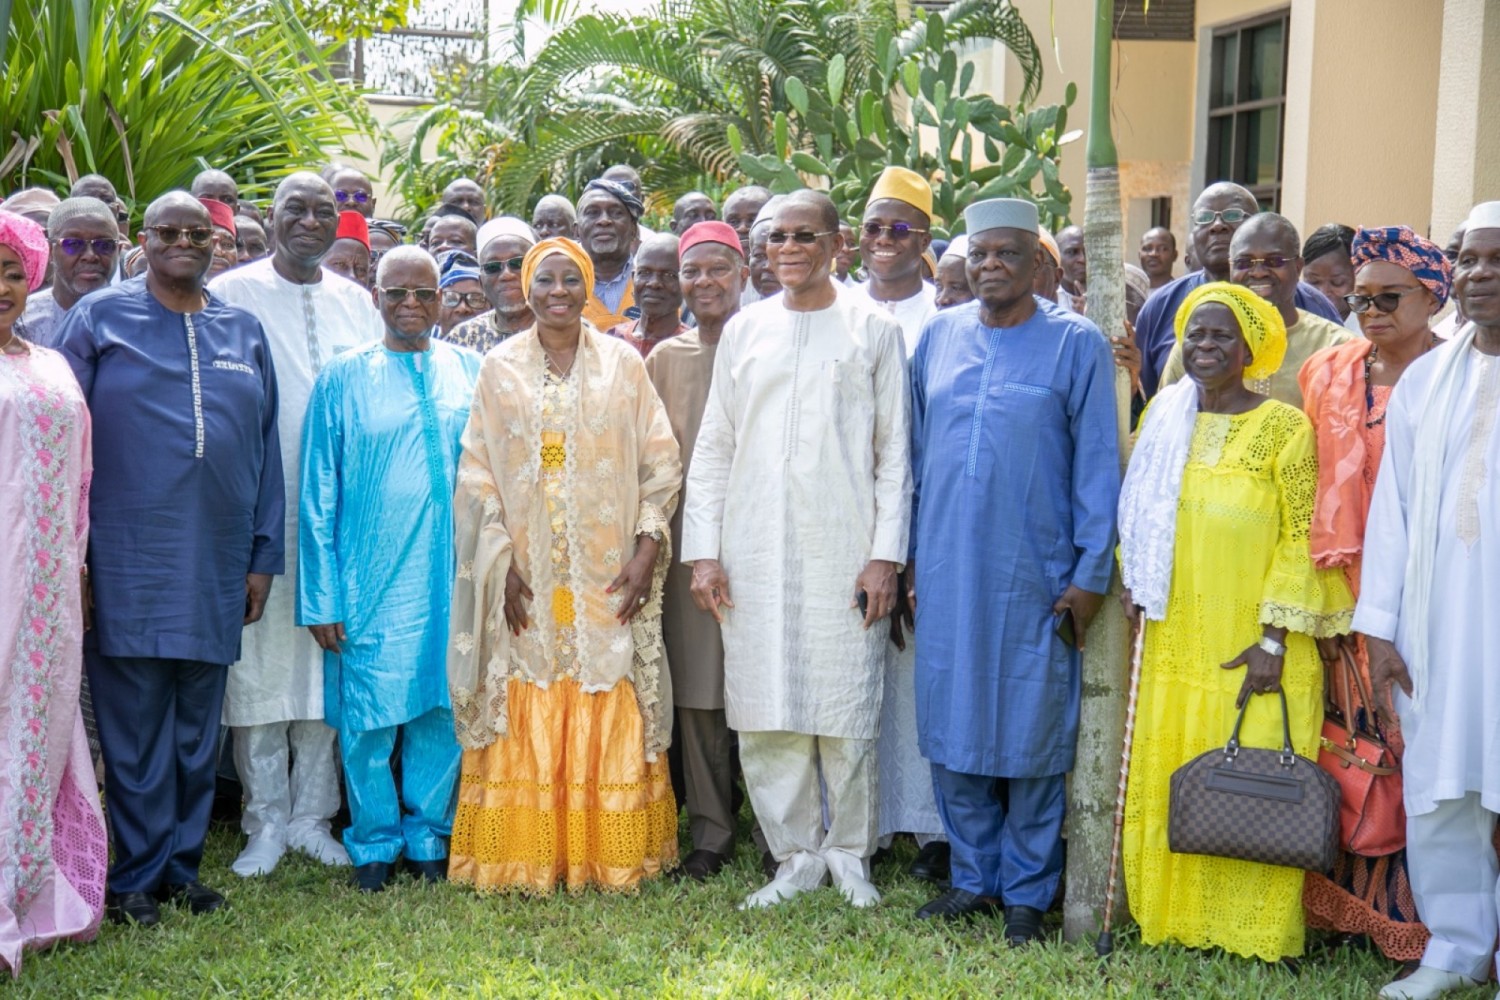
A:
1270,806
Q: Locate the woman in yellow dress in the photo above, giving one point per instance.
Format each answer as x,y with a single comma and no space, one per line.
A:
1214,520
561,696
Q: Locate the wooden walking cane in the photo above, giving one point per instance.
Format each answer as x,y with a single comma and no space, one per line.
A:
1106,943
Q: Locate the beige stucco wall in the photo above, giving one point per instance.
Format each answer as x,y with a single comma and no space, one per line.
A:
1467,131
365,150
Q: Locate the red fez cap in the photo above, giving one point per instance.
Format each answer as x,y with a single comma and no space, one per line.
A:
709,232
221,214
352,226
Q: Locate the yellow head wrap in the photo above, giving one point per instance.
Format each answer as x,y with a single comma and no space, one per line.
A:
556,245
905,186
1260,323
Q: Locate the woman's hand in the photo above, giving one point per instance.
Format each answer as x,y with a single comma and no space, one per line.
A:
1386,668
634,581
516,596
1332,648
1262,670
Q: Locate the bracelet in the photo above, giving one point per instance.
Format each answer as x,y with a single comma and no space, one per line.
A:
1272,646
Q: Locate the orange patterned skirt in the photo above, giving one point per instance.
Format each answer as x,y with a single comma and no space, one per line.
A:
568,797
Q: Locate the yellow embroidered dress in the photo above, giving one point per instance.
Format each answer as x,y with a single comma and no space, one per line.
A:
1241,559
563,779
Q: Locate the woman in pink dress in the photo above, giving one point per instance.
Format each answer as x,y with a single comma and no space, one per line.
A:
53,852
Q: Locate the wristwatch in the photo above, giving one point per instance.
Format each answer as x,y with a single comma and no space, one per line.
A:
1272,646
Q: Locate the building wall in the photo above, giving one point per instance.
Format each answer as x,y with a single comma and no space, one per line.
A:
1467,132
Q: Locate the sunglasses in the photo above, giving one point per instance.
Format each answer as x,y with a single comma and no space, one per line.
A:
806,237
399,294
1385,302
896,230
511,264
73,246
360,197
1207,216
474,300
171,234
1273,261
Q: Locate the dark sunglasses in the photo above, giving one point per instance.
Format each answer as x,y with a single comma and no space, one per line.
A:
1207,216
776,237
399,294
509,264
358,196
73,246
1273,261
897,230
474,300
1385,302
171,234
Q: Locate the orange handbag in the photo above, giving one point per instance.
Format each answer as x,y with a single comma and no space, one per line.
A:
1372,816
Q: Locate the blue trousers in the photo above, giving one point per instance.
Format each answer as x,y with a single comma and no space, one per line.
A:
1006,834
430,757
158,731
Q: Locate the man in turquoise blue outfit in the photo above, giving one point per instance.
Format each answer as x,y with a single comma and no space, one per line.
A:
1016,470
379,460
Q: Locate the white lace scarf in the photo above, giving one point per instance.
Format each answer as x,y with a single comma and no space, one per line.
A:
1149,495
1434,420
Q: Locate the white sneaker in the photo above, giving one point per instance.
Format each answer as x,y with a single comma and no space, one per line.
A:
259,857
859,892
773,892
321,846
1425,984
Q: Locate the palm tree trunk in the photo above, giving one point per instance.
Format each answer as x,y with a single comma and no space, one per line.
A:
1102,725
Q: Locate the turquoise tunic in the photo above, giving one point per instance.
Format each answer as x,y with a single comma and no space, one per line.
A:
379,460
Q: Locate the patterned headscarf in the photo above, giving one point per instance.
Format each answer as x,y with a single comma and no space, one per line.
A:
547,248
620,193
1260,323
1401,246
29,241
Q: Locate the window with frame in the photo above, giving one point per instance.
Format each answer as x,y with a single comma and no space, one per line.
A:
1247,106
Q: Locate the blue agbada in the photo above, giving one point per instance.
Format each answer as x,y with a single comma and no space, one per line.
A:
187,495
375,540
1016,466
1156,334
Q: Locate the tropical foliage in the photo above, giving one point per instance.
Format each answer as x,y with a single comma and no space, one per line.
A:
690,88
149,92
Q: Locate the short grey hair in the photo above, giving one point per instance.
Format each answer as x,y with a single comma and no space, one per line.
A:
559,202
404,255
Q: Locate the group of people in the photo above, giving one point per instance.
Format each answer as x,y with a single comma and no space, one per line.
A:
576,520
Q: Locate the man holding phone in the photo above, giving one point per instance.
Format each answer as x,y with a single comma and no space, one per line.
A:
1016,473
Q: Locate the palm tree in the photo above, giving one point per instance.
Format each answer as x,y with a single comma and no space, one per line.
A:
148,93
1102,723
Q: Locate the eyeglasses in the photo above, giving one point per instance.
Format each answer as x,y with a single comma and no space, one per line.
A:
399,294
897,230
512,264
359,197
777,237
1232,216
199,238
1273,261
1385,302
73,246
474,300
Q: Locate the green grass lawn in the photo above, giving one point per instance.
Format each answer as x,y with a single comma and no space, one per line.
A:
305,932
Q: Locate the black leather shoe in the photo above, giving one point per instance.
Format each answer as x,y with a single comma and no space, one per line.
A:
429,871
373,877
198,897
700,865
1023,925
769,865
958,904
133,908
932,863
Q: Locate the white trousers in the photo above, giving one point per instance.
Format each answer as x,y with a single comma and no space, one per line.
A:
782,776
290,774
1456,884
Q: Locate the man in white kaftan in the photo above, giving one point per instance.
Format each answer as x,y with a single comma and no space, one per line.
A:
283,750
1431,586
798,501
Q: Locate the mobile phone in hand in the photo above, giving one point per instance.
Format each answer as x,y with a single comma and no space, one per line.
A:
863,599
1066,629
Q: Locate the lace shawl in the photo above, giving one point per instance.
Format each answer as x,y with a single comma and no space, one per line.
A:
623,474
1150,494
